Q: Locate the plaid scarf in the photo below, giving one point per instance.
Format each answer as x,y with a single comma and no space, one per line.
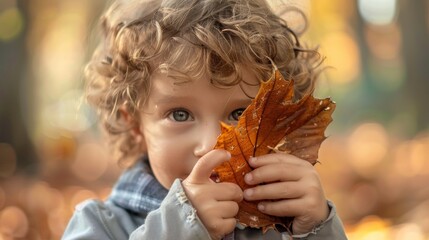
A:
137,190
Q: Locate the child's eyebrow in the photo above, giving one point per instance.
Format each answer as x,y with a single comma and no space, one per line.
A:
166,98
178,76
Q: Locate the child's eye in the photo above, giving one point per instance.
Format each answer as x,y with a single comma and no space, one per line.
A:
236,114
179,115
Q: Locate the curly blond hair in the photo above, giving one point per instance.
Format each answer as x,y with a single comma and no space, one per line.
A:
191,37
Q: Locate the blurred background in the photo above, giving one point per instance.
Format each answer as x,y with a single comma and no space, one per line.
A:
374,165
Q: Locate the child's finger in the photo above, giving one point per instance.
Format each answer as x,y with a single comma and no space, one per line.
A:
275,172
205,165
289,207
229,192
277,190
227,209
277,158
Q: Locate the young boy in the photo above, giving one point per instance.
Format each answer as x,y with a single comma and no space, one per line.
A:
166,73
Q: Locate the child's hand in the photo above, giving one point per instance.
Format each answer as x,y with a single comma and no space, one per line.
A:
294,186
216,203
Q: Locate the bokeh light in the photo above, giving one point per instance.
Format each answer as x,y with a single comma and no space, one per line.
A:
409,231
364,198
90,162
411,158
384,42
11,23
371,228
379,12
367,146
341,50
69,113
7,160
57,222
42,197
13,222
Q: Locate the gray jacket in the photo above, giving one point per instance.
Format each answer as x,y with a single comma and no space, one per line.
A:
174,219
139,207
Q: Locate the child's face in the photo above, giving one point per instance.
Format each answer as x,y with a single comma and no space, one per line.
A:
181,122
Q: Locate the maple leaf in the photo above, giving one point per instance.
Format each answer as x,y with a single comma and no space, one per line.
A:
273,122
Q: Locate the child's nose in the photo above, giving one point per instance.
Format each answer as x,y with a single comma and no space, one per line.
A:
207,139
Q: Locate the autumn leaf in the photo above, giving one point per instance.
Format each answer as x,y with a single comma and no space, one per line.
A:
273,122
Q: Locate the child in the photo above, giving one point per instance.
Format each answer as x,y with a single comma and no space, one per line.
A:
166,73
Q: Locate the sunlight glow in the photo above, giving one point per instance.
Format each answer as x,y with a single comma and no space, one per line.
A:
343,54
11,24
377,12
13,222
367,146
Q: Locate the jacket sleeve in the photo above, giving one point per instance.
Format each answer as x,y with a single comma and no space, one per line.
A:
332,228
175,219
94,219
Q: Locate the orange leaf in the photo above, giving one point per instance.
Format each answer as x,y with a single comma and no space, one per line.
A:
272,122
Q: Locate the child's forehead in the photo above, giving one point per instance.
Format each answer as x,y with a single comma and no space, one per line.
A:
175,82
179,76
165,91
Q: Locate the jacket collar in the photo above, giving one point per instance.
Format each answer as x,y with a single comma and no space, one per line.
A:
137,190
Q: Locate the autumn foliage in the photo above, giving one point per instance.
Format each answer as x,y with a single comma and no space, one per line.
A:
273,122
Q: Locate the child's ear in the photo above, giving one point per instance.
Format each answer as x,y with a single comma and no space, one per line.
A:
132,121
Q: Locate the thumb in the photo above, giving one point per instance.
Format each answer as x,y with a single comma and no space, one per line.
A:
205,165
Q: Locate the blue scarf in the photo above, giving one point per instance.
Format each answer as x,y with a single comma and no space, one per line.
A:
137,190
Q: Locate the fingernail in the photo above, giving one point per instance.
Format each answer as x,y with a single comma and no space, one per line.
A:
261,207
248,192
248,178
252,159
